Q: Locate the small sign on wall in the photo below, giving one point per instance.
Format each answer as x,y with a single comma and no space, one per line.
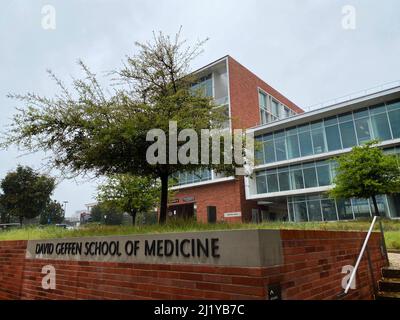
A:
232,214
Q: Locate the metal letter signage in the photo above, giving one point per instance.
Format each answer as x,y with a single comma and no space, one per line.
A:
228,248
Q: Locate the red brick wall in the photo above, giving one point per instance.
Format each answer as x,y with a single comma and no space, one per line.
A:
243,86
312,270
224,195
227,196
12,260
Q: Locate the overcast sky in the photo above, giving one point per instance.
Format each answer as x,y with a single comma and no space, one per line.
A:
297,46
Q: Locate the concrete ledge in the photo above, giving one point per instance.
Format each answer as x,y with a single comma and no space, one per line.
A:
242,248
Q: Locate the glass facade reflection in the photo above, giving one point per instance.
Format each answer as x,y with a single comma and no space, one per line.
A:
302,176
322,208
183,178
271,109
346,130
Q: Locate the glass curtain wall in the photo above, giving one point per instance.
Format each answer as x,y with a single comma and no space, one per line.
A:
322,208
346,130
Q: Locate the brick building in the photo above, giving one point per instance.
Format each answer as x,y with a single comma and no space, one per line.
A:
249,102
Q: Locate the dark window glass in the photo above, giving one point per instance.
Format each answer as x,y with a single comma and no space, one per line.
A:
269,151
310,178
380,127
323,173
300,211
284,183
344,209
393,105
328,209
292,147
272,181
318,141
362,113
346,117
314,210
363,130
333,138
305,144
361,208
377,109
280,149
261,184
330,121
394,117
348,134
297,179
291,214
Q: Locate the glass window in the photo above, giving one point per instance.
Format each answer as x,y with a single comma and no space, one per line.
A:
291,214
275,108
324,178
310,177
348,134
318,139
284,182
292,147
345,117
333,138
328,209
393,105
272,181
361,208
306,148
263,100
330,121
394,117
380,126
300,211
377,109
286,112
269,151
344,209
261,184
280,149
363,130
362,113
314,210
297,178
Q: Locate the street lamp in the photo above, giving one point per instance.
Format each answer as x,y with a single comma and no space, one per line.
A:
65,208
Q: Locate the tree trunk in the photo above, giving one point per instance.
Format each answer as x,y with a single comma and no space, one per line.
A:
133,215
164,199
375,206
21,218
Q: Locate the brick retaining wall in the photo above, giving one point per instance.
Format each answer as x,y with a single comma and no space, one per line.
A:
312,266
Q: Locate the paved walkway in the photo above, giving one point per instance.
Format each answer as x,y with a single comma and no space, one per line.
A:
394,259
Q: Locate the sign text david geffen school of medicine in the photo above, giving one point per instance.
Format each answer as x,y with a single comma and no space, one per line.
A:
194,247
247,248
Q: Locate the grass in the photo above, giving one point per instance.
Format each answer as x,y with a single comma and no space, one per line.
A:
391,227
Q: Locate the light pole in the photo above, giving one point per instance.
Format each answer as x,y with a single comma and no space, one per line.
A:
65,208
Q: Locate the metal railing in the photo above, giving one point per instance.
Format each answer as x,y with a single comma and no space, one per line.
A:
364,249
354,95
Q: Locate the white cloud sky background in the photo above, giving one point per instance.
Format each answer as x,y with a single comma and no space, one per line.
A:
297,46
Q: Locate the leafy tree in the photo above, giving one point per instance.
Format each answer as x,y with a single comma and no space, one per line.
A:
92,130
26,193
366,172
130,193
53,213
108,214
4,218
